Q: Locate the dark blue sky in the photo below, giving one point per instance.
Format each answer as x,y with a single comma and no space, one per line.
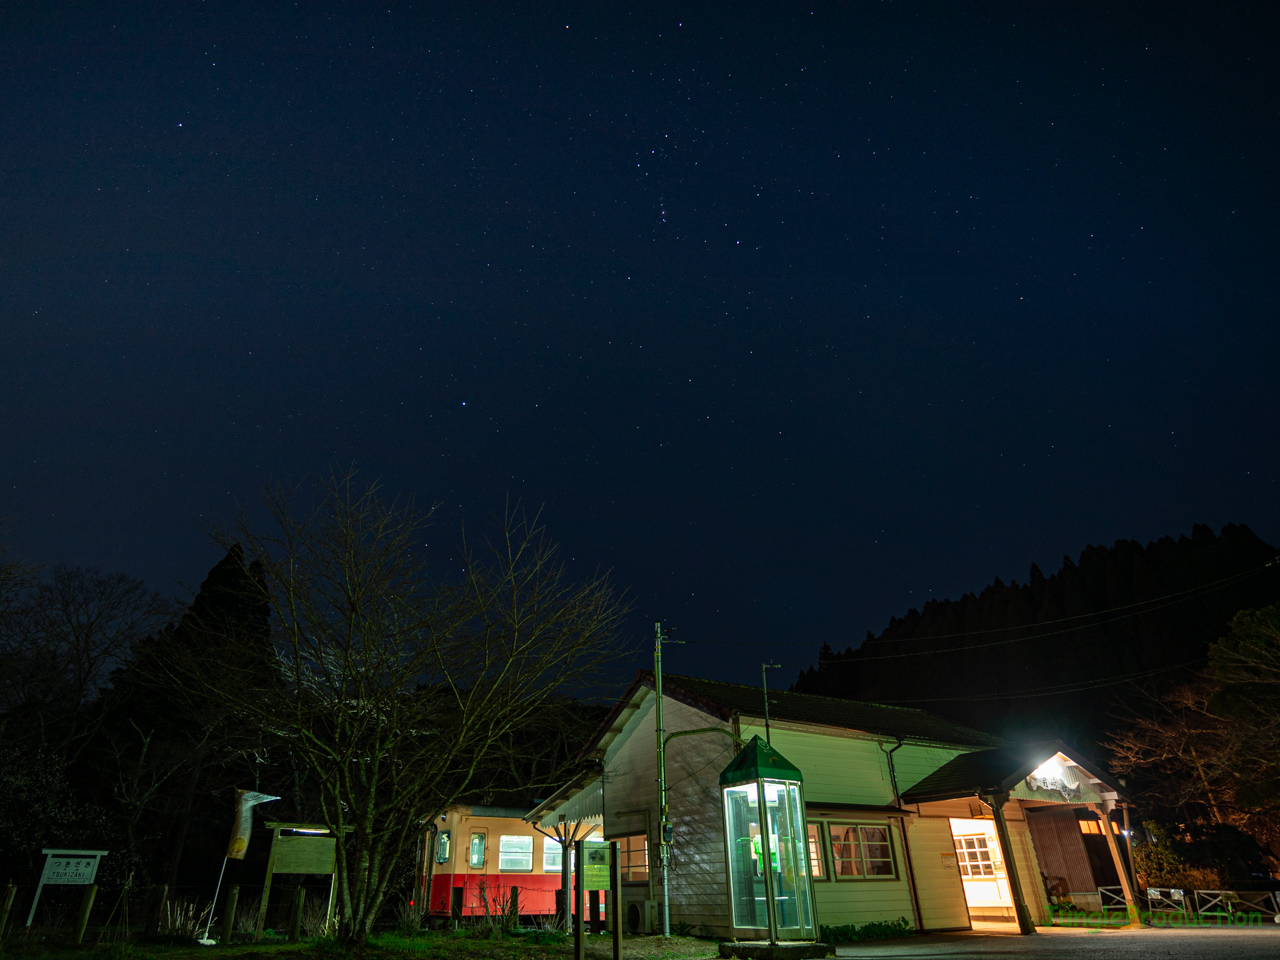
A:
793,319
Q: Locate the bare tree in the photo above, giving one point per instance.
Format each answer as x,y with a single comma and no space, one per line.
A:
1246,664
1182,748
61,640
393,686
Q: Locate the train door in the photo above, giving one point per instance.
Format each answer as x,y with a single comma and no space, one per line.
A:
477,849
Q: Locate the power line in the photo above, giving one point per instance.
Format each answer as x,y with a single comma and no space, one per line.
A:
1181,596
1202,588
1056,690
1190,595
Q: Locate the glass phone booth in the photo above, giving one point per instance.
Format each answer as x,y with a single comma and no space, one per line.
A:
769,883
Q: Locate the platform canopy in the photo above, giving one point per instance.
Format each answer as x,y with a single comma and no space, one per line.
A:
759,761
1011,770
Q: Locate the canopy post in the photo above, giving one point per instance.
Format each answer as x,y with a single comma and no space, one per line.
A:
1025,924
1131,905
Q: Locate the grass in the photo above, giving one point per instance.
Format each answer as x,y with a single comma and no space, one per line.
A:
426,945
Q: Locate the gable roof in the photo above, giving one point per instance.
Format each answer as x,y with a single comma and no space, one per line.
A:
724,700
995,771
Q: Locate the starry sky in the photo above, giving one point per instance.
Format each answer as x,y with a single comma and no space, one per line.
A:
792,316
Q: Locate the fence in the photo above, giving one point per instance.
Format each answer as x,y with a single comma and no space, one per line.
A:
146,910
1164,906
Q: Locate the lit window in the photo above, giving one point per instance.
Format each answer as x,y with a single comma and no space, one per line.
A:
634,853
442,847
817,862
861,851
1091,826
974,857
552,855
515,853
476,855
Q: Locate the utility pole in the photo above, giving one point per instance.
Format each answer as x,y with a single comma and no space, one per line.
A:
664,822
764,682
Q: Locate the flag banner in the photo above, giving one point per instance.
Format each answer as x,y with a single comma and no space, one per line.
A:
246,800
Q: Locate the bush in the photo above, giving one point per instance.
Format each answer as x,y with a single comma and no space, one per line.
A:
547,938
1227,851
875,930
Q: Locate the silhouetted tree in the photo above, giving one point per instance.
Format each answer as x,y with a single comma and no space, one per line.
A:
393,688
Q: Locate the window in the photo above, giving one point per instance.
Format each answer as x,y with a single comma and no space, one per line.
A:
634,853
817,862
476,856
861,851
1095,827
515,853
442,846
552,855
974,857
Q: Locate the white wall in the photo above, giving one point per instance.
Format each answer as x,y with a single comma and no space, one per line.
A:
843,767
938,882
697,870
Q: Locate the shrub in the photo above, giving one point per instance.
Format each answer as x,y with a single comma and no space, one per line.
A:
547,937
875,930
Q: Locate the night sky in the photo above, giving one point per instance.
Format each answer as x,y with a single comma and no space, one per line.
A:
793,316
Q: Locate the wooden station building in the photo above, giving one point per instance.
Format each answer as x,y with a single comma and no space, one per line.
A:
908,815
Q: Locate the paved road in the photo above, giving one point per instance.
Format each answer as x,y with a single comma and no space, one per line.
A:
1049,944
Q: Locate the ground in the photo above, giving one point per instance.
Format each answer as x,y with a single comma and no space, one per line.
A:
1079,944
427,946
990,940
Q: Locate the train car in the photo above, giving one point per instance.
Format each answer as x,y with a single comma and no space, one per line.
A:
473,856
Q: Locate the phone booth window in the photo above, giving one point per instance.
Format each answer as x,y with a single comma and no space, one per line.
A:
770,880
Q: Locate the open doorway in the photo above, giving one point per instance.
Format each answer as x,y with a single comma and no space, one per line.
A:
983,870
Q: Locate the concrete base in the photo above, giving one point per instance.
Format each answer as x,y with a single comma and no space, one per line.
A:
783,950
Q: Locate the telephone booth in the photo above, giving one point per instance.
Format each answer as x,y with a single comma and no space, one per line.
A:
770,888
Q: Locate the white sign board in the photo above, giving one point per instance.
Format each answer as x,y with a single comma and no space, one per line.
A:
66,867
73,869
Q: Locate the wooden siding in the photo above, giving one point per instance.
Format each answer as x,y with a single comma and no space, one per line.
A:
631,784
697,870
860,901
1060,847
845,766
1024,856
839,767
938,883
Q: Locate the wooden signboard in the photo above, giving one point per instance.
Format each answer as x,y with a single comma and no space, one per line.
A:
77,867
302,848
300,853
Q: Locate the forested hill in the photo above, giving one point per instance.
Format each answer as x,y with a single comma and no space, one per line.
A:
1055,656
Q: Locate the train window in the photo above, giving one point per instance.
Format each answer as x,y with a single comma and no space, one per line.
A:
552,855
477,850
442,846
515,853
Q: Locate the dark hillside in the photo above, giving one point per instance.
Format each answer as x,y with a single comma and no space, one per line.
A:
1050,657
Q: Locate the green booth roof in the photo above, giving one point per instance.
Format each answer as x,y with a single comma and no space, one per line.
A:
759,761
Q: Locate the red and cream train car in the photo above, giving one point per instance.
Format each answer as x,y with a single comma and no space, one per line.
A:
473,856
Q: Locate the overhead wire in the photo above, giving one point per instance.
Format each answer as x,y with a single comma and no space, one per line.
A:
1057,689
1173,599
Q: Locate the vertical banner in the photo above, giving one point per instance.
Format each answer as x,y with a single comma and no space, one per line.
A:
246,800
